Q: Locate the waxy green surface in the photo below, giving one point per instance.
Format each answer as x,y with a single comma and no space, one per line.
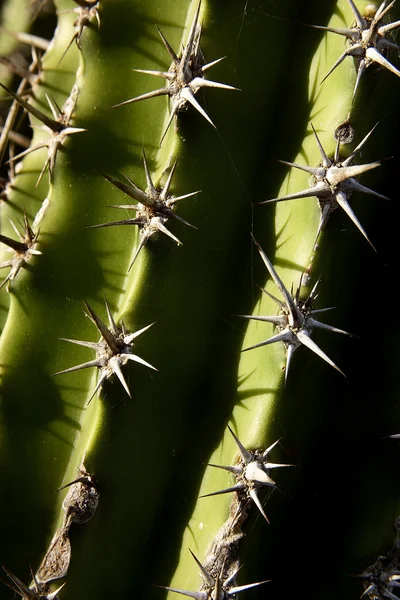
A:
149,452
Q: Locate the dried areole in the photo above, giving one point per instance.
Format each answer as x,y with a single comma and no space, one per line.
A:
82,499
56,561
79,506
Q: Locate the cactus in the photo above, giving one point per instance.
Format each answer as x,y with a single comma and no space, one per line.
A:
143,482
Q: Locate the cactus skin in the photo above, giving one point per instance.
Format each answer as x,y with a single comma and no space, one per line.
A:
145,452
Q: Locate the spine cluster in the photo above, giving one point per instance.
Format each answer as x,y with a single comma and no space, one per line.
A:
157,216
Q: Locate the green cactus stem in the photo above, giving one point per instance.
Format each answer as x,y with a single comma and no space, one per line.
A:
103,485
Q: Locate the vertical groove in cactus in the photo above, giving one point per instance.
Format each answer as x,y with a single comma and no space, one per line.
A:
149,453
